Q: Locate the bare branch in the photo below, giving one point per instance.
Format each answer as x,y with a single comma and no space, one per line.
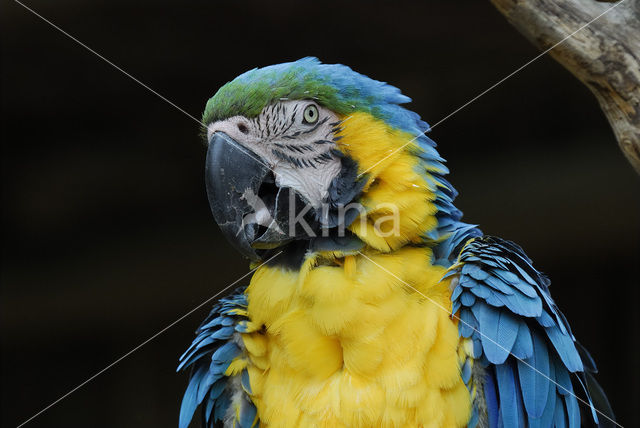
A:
605,55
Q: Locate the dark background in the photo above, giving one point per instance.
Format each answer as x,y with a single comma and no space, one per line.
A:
107,235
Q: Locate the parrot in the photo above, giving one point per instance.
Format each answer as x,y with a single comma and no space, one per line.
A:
370,303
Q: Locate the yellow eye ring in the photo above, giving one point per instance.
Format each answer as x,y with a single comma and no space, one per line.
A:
310,114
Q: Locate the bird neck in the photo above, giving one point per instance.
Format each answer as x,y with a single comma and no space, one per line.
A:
398,199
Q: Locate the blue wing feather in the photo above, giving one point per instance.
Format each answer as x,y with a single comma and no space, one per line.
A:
189,402
523,347
209,356
560,414
491,398
511,406
546,418
519,334
499,329
534,377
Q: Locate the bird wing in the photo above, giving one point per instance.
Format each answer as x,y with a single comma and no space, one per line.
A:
521,339
217,358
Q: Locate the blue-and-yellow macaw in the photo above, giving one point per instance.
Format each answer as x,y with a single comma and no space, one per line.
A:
377,306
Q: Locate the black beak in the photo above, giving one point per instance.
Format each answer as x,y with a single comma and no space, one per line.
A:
241,188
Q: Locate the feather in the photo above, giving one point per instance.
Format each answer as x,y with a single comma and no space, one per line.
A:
546,419
475,272
189,402
495,300
468,323
523,273
204,385
600,402
247,415
566,349
545,319
499,285
508,277
457,292
217,389
587,359
466,371
467,299
534,378
208,408
560,414
562,378
481,291
583,383
455,307
519,304
511,407
523,346
246,384
222,404
499,331
491,398
211,354
224,321
473,420
468,282
573,411
225,353
477,348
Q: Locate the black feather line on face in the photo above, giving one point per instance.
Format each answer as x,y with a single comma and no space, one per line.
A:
298,149
323,158
287,127
293,148
266,125
316,126
288,158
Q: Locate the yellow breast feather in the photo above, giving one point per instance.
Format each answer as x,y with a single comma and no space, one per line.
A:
356,348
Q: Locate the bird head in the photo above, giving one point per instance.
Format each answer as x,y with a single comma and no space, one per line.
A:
316,157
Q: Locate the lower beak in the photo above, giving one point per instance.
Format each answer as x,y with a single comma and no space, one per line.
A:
234,176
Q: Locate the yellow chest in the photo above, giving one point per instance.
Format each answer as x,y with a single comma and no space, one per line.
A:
368,343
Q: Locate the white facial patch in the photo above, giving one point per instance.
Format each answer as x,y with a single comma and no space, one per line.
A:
293,138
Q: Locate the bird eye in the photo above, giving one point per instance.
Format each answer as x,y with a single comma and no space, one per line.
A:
310,114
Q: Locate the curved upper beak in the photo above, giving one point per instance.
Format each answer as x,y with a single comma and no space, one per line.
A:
233,176
247,205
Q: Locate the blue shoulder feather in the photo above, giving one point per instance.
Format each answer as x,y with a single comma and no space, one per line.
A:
209,356
526,345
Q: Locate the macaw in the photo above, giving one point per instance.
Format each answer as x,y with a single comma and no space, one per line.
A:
377,306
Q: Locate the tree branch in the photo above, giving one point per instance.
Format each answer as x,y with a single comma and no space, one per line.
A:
605,55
